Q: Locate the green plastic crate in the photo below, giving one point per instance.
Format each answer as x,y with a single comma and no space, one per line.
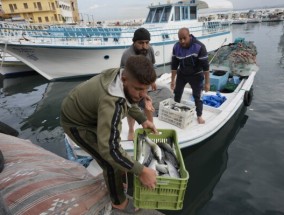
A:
169,192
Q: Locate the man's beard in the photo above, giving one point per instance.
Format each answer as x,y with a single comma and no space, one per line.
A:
141,52
128,97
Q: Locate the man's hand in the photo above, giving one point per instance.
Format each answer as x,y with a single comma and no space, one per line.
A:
148,103
173,84
154,86
173,79
149,124
148,178
207,81
207,87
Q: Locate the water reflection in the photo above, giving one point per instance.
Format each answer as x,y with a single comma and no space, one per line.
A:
281,48
249,27
271,23
21,84
31,105
206,163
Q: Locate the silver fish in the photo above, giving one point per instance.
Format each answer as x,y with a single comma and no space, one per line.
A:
173,172
165,175
162,168
148,155
171,158
156,149
170,141
140,155
152,165
180,108
168,149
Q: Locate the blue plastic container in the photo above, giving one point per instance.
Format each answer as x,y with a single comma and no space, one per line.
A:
235,79
218,79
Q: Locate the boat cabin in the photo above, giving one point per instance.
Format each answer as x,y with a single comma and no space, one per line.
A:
166,13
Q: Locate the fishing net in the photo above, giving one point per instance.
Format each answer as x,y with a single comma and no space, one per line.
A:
239,56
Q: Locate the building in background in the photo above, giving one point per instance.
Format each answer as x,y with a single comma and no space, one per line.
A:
2,14
44,11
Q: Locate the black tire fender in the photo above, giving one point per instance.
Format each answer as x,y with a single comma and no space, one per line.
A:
248,97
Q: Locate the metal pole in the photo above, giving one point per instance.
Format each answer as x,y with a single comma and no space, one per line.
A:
217,51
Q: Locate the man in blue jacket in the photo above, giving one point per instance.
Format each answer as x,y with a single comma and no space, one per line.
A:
190,65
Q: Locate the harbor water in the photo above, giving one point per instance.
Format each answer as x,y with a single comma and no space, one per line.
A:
239,170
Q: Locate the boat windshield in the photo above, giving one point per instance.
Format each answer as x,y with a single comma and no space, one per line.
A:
159,14
185,12
166,13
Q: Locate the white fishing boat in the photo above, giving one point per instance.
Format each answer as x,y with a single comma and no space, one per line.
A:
68,51
233,82
10,65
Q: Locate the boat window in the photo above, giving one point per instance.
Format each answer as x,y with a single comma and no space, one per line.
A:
177,13
166,14
150,15
165,36
193,13
158,15
184,11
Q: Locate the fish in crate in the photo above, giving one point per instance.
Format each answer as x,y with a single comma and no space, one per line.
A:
160,152
159,156
178,114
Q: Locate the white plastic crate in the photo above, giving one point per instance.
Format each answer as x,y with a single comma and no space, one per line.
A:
174,117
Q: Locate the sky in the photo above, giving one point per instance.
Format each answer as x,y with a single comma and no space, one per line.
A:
133,9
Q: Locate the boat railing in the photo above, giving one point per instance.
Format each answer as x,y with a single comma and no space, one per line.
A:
78,35
216,26
58,34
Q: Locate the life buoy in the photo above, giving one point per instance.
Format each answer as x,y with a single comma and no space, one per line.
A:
248,97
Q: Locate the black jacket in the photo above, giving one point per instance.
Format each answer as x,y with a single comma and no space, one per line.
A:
192,60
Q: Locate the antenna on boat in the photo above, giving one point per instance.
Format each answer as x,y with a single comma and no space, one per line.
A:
217,51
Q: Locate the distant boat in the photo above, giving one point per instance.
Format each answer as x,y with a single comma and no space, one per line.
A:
254,16
10,65
58,52
239,21
273,16
254,20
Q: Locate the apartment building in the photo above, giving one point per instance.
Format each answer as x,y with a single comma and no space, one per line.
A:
43,11
1,11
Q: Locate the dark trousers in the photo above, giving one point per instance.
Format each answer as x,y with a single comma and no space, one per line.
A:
113,176
196,84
